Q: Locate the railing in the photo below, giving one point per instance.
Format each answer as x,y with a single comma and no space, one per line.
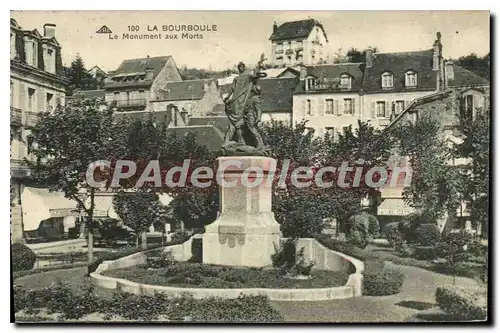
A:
16,115
131,102
279,51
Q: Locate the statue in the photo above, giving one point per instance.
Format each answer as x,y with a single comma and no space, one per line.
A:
243,108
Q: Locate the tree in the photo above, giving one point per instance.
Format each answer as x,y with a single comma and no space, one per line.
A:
352,55
66,142
79,77
139,210
477,65
476,175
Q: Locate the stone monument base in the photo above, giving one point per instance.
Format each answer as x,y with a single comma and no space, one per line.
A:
246,232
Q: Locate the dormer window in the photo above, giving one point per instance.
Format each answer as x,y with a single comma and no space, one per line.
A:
345,81
387,80
311,82
411,79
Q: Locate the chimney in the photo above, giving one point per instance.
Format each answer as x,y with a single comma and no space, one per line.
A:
369,58
449,74
49,30
275,27
437,52
149,74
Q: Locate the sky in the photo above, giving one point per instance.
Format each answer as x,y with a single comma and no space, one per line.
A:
244,35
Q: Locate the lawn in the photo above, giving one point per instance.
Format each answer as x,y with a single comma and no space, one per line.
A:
213,276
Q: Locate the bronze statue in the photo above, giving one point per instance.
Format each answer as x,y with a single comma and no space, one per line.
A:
243,108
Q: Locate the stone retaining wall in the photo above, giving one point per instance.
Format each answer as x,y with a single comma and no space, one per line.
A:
313,251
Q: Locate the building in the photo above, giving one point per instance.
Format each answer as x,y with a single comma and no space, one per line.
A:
332,97
191,98
298,42
96,72
464,92
136,82
37,85
328,97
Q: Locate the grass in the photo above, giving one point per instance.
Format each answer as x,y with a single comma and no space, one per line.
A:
213,276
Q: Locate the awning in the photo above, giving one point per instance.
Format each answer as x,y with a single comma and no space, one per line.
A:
395,207
39,204
103,206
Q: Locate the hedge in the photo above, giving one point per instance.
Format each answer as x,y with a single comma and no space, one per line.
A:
380,280
19,274
427,235
71,304
23,258
462,304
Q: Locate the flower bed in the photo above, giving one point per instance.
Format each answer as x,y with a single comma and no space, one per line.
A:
213,276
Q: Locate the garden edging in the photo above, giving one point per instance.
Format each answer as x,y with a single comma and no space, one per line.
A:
324,258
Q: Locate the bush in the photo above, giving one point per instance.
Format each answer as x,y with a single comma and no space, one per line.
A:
462,304
196,250
379,280
22,257
427,235
425,252
284,255
366,222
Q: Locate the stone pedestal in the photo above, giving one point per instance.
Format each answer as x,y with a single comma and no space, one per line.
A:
246,233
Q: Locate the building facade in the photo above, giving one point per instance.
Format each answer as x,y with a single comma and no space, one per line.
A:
136,82
298,42
37,85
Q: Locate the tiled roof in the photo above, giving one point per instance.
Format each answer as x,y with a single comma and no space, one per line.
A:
140,65
183,90
206,135
158,117
295,29
355,70
465,78
398,64
277,94
220,122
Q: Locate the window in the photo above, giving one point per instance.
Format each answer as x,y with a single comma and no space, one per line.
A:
311,82
11,93
29,144
141,95
411,79
468,106
308,107
399,106
116,96
299,44
34,54
329,106
345,81
345,129
348,109
387,80
330,131
31,99
50,98
381,109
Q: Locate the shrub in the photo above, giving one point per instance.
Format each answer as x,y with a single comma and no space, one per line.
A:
197,250
284,255
462,304
366,222
380,280
427,234
23,258
426,252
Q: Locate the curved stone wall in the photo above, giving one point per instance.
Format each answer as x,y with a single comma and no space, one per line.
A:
313,251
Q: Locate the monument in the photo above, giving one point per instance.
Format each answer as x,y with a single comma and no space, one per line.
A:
245,233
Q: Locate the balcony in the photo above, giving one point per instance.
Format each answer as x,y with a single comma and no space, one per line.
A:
16,116
18,169
131,103
32,118
279,51
299,48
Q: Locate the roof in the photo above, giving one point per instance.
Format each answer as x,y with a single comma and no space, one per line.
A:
183,90
420,101
398,64
465,78
206,135
100,93
277,72
130,66
220,122
295,29
355,70
218,109
158,117
277,94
